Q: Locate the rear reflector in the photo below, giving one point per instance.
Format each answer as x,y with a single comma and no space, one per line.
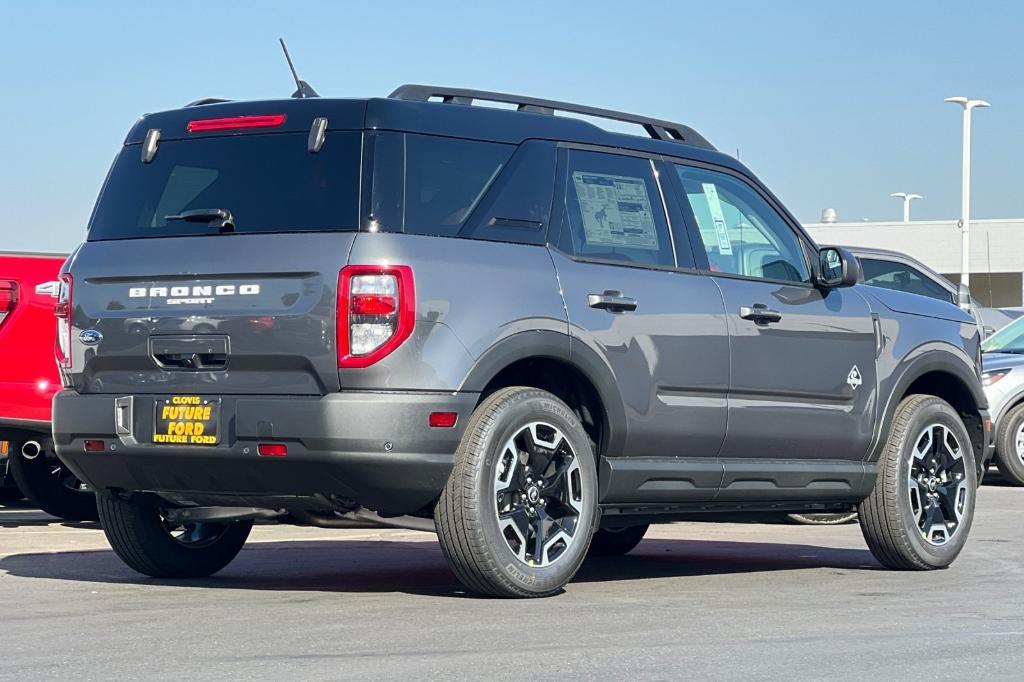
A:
443,420
95,446
235,123
272,449
4,447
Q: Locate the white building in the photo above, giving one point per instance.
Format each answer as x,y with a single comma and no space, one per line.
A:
997,250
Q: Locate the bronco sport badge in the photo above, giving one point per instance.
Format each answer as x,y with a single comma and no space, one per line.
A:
854,378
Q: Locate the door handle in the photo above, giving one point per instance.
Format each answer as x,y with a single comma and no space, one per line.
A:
759,313
611,300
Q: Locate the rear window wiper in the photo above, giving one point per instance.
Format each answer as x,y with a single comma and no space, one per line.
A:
220,218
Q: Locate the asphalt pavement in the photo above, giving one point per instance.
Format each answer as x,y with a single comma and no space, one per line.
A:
694,600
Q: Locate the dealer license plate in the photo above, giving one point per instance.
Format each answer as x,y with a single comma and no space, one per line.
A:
186,420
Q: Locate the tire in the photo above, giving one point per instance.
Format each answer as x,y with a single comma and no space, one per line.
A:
49,485
494,469
142,539
1010,446
822,519
617,541
910,521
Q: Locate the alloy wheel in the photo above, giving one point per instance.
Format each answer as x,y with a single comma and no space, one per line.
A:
1019,443
538,494
937,484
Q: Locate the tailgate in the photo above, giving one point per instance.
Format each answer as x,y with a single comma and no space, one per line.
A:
221,314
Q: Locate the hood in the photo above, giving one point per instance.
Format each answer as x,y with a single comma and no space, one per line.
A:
915,304
994,361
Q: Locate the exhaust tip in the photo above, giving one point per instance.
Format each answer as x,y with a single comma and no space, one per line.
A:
31,449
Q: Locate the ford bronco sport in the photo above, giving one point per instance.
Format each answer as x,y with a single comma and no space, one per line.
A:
533,335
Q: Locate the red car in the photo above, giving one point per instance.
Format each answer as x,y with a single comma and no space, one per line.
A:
29,287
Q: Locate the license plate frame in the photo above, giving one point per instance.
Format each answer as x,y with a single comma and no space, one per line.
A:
186,420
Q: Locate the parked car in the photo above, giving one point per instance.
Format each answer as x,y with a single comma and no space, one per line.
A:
524,332
895,270
28,380
1003,377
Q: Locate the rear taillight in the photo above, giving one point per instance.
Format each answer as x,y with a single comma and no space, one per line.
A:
376,312
62,310
8,297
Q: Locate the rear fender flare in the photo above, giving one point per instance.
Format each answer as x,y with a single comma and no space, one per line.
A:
556,346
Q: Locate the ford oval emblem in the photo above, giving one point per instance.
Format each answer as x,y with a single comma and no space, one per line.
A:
90,337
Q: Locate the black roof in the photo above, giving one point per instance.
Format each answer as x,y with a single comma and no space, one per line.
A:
410,110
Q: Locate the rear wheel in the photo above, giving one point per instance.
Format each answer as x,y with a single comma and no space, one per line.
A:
145,540
516,516
1010,446
920,512
50,485
617,541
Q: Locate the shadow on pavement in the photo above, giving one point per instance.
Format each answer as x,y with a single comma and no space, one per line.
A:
419,567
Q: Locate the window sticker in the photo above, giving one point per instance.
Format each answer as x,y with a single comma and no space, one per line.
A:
616,211
718,218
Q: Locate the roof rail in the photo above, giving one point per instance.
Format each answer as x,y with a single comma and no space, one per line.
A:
206,100
656,128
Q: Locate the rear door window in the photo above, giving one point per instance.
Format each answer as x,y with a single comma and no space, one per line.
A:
268,182
612,210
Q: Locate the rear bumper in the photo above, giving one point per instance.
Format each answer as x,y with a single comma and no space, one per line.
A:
372,448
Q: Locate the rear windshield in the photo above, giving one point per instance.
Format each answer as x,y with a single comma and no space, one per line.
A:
269,183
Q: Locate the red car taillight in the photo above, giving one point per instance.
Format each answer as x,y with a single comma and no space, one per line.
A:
62,310
8,297
376,312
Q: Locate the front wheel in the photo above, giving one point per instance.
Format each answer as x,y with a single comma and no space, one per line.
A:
516,516
920,512
1010,446
50,485
145,540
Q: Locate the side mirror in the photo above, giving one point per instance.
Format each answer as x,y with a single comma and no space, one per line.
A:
837,267
963,297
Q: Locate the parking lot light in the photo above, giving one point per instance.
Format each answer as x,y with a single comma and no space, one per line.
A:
965,195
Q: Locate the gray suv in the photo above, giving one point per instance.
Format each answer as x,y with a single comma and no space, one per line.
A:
529,334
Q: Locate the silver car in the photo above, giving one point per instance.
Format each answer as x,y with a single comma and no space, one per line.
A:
1003,378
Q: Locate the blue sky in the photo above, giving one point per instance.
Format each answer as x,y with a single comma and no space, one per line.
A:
832,104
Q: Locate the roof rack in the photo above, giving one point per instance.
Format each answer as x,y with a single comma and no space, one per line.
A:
656,128
206,100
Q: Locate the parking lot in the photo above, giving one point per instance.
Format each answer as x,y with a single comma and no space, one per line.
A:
728,600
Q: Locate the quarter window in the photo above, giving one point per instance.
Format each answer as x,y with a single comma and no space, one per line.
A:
742,234
613,210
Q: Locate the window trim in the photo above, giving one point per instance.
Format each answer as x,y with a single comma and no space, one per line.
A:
558,208
693,229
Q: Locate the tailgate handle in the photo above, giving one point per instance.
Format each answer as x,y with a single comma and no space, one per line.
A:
189,353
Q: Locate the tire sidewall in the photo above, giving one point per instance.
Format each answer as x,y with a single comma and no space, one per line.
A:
936,412
519,411
1009,460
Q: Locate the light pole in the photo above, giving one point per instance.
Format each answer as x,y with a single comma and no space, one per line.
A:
907,198
965,195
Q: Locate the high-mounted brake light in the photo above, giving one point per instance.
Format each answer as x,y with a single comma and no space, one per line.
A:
376,312
62,311
235,122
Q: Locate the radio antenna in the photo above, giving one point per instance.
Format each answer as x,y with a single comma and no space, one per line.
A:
302,88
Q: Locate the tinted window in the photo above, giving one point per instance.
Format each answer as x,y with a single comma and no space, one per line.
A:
889,274
269,183
613,210
741,232
424,184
